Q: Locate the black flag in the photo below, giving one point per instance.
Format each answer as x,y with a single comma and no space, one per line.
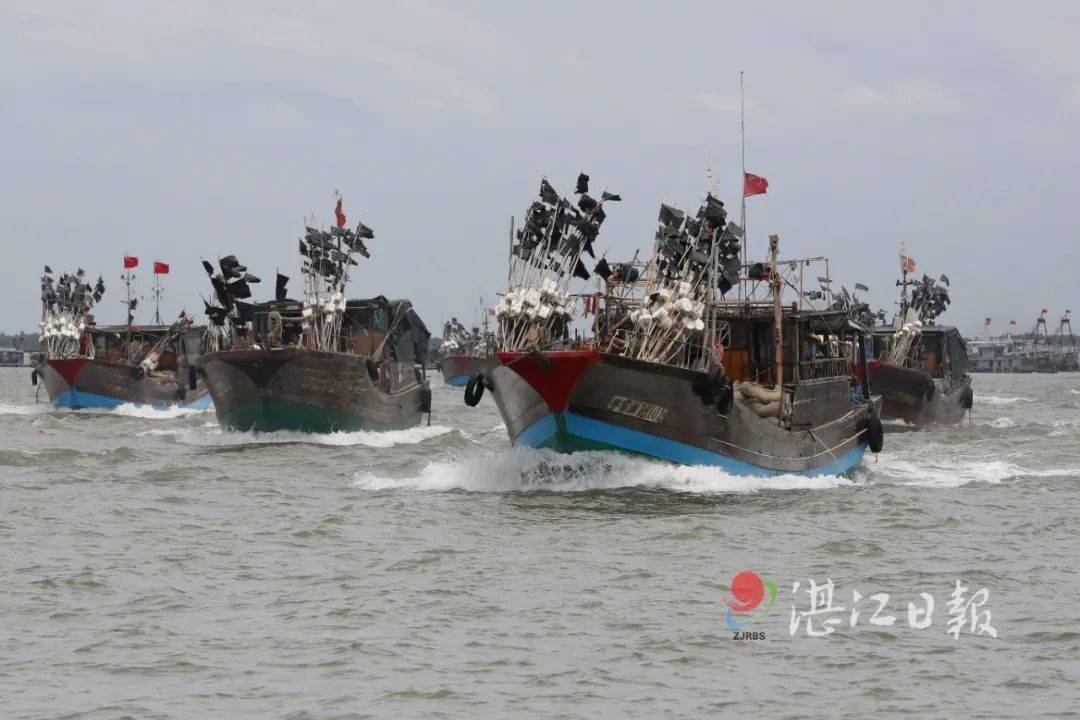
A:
279,291
603,269
581,271
610,196
547,193
582,184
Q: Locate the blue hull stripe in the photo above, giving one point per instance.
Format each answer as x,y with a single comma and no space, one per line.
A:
458,380
72,398
546,429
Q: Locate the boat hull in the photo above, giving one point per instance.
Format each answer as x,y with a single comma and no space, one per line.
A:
652,410
906,395
307,391
79,383
457,369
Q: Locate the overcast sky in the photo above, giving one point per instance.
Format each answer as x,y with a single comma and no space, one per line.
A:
187,129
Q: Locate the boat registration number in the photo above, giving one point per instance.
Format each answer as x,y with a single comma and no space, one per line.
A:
637,409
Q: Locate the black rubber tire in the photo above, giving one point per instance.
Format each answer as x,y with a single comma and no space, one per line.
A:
725,396
968,399
425,400
372,369
192,377
33,377
875,434
931,391
474,390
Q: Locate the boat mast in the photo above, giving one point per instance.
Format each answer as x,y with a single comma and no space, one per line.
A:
510,264
127,283
778,317
158,292
742,183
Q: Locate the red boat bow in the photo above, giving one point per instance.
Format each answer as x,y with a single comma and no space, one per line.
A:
68,369
553,375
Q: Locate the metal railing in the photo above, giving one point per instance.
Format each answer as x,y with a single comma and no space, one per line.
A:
823,368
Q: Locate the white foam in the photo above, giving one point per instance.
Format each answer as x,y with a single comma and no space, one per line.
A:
213,436
147,412
526,470
996,400
951,473
1003,423
36,409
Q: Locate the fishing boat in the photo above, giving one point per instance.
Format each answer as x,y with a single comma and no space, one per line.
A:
919,367
464,351
672,370
85,365
321,364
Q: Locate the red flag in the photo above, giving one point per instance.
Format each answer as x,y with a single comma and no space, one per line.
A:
988,322
491,312
907,264
754,184
130,261
161,268
1012,322
1045,311
340,214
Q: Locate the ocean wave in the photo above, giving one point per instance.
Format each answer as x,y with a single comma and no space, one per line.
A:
951,473
996,400
214,436
1003,423
147,412
524,470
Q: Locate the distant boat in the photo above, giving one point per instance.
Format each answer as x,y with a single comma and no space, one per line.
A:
463,351
322,364
84,365
920,368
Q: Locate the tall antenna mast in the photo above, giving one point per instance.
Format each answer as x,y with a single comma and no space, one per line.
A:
158,292
742,180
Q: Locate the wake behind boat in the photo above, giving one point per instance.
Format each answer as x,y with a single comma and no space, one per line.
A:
85,365
322,364
673,371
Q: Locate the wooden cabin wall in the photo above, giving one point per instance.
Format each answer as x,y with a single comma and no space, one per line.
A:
752,352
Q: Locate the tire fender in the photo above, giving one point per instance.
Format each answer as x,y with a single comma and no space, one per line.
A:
474,390
875,434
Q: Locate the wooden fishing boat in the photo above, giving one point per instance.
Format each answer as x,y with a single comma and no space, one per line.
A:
322,364
84,365
113,376
457,369
919,368
265,387
678,374
464,351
